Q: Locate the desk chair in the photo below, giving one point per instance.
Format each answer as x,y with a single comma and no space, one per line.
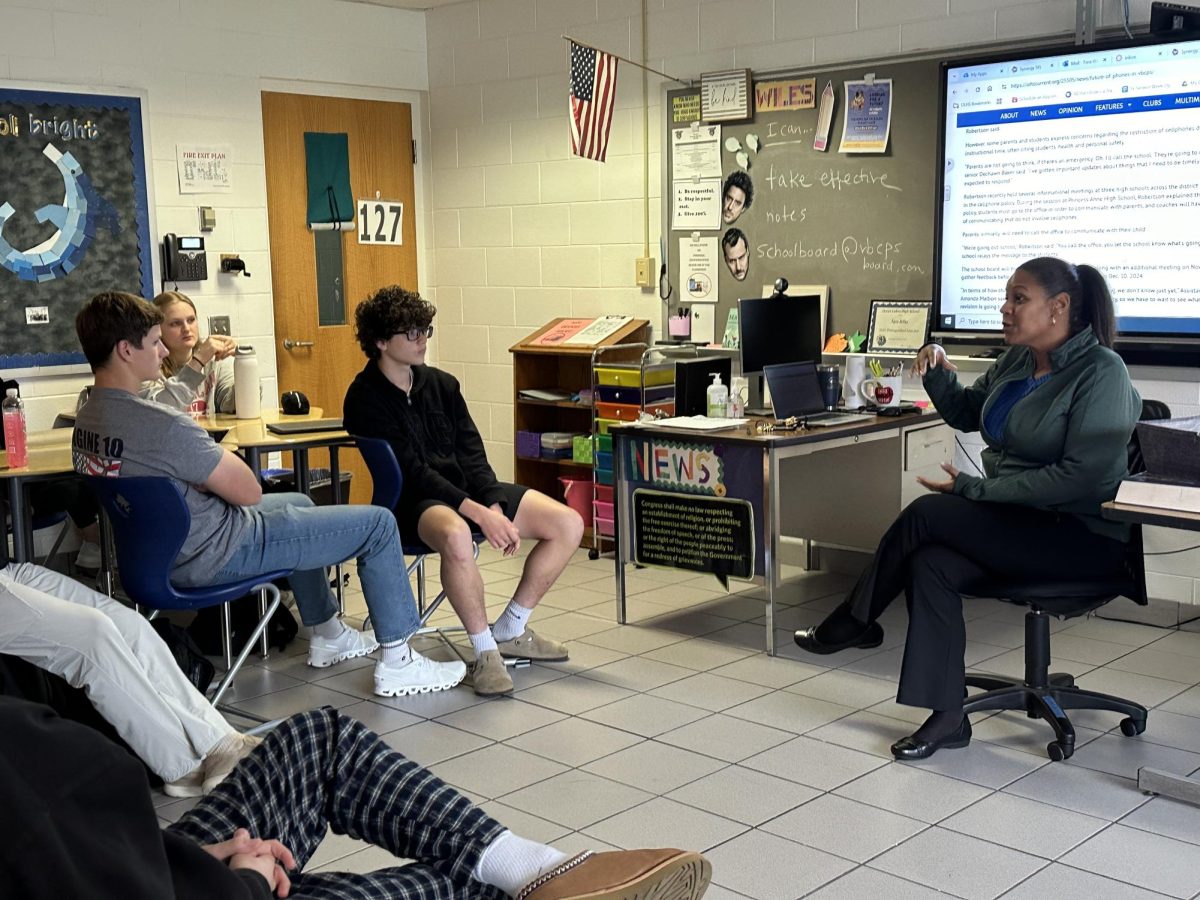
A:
388,482
149,521
1048,695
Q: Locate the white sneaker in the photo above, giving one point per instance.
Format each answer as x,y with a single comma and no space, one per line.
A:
417,676
224,757
325,652
88,556
189,785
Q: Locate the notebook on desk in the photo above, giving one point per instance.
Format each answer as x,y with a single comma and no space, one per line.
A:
303,426
795,391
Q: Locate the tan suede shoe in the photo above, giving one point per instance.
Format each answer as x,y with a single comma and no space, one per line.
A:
489,676
529,645
624,875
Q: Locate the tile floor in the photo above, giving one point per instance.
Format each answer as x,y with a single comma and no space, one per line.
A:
678,730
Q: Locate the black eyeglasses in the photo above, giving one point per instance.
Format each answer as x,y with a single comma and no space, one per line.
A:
415,334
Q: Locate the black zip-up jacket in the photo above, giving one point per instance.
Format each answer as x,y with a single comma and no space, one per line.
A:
78,821
431,432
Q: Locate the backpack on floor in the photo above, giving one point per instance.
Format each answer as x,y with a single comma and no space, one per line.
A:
192,661
205,629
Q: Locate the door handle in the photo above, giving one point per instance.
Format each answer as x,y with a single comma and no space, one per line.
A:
289,344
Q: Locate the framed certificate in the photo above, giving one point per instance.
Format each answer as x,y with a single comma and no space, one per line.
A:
898,326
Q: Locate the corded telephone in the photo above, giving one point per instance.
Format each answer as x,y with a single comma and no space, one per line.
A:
184,259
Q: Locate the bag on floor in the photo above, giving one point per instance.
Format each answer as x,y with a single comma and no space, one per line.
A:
192,661
243,616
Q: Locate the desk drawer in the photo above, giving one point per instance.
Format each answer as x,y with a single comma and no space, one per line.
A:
928,447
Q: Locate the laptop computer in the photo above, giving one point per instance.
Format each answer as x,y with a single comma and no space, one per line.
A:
304,426
795,391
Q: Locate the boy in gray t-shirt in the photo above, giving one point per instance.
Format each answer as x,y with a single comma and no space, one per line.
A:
235,531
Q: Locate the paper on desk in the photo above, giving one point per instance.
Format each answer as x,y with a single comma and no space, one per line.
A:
701,423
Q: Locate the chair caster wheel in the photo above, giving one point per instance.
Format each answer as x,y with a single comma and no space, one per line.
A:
1131,727
593,554
1057,751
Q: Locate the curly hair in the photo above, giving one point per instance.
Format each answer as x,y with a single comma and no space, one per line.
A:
388,312
740,180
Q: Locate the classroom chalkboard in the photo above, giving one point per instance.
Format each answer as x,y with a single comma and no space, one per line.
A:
861,223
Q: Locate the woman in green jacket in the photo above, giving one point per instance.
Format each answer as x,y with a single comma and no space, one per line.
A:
1056,412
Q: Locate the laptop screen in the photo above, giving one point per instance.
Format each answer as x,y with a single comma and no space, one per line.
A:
794,389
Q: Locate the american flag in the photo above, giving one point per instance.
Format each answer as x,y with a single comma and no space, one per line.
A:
593,94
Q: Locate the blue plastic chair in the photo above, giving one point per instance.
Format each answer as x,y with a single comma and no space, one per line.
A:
388,481
150,521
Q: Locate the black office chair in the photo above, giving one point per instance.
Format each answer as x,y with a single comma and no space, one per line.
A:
1048,695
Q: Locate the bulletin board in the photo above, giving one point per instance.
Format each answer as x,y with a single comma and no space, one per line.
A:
74,216
861,223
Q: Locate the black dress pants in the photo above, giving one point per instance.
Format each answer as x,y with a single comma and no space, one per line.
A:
937,549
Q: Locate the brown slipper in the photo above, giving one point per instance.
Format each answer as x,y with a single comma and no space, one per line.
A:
624,875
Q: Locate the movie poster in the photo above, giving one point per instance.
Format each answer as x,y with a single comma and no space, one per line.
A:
73,216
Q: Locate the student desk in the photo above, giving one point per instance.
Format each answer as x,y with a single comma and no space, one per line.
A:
49,459
839,487
1178,787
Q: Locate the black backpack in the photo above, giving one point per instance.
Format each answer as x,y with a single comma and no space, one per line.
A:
192,661
205,629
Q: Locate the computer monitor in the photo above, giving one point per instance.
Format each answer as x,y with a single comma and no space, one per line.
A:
779,329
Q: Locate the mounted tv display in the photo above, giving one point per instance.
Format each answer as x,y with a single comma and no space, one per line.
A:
1089,154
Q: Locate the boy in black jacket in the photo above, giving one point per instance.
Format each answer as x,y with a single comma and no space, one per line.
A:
449,487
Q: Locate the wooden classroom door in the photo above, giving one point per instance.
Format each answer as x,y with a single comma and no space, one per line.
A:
322,359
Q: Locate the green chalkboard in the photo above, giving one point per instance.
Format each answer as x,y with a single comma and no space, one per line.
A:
861,223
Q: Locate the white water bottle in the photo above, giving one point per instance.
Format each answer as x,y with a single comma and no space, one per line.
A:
16,438
246,397
718,396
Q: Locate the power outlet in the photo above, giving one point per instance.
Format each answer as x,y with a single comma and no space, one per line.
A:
219,325
645,271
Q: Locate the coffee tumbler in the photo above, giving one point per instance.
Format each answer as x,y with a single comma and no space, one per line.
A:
831,385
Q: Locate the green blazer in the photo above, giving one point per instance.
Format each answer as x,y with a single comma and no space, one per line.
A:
1064,446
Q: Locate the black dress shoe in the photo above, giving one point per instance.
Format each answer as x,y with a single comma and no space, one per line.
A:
872,636
913,748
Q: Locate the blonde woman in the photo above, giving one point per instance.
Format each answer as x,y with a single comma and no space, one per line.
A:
197,375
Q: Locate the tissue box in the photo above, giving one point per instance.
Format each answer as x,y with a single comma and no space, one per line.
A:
581,449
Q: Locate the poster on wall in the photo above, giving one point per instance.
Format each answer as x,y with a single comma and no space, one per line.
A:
74,216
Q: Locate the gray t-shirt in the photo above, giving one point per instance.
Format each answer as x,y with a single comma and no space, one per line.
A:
117,433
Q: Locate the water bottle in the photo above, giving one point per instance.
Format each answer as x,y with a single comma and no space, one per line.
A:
246,396
15,435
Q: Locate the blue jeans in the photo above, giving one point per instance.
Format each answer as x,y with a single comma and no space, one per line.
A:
288,532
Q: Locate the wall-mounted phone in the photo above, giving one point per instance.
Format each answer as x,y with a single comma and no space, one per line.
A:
184,259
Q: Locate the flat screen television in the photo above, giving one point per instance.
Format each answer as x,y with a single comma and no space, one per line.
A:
1087,153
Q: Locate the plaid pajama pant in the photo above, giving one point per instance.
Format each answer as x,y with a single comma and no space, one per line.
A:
321,769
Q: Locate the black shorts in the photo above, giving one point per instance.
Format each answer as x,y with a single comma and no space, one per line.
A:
408,518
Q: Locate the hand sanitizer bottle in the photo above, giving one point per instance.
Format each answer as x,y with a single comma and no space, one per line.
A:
718,396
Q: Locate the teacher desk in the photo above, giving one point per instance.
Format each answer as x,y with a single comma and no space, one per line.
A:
722,501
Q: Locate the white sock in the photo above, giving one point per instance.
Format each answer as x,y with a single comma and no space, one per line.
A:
396,653
329,629
482,642
511,862
511,623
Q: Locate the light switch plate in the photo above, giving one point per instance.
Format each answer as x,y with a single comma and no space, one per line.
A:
219,325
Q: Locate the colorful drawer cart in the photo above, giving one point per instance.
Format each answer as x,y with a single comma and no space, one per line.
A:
622,390
569,476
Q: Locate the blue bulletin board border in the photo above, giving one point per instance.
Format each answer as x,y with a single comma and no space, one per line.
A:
131,105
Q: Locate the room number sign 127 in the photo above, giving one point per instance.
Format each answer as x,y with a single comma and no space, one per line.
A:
380,222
